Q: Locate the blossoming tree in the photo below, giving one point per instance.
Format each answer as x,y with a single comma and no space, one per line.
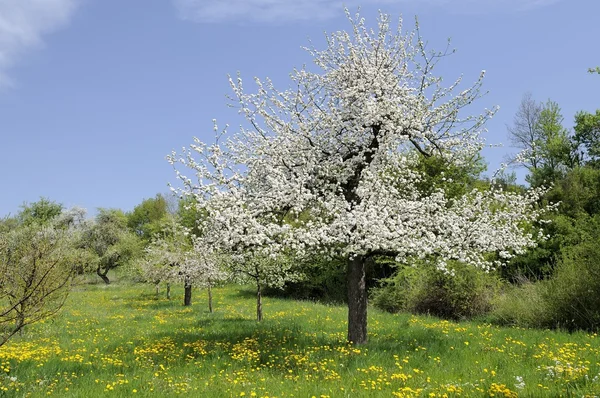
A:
175,255
328,166
263,271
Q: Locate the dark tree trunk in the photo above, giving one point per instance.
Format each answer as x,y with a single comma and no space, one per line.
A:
168,291
17,329
210,307
356,279
357,301
259,314
102,274
187,292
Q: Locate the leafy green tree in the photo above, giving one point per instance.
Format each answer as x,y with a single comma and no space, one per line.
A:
190,216
547,149
507,181
554,146
42,211
587,134
147,218
578,192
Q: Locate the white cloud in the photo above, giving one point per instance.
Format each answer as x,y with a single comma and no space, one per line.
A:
280,11
23,23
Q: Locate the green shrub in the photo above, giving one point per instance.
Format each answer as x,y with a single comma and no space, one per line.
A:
463,292
570,298
573,293
521,305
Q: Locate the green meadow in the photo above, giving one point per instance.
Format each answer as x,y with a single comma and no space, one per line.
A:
124,340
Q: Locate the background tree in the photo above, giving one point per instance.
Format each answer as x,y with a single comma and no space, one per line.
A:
343,146
41,212
175,255
547,150
147,218
565,264
558,160
205,267
556,149
524,134
166,255
37,262
109,242
190,216
264,271
587,134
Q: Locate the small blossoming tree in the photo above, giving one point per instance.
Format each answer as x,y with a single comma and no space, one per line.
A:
263,271
328,166
175,255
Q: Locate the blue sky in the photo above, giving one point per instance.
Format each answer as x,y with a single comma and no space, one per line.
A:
95,93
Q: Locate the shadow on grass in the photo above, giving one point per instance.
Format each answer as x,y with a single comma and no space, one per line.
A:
271,338
220,332
280,350
245,291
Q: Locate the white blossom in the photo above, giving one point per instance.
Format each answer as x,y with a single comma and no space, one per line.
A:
366,112
173,257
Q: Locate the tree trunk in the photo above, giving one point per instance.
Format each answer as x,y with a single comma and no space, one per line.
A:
210,307
357,301
157,288
20,321
259,314
168,291
8,334
187,295
102,274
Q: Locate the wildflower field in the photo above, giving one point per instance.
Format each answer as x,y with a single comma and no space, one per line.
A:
124,340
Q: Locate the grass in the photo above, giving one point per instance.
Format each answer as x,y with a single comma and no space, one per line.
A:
122,340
